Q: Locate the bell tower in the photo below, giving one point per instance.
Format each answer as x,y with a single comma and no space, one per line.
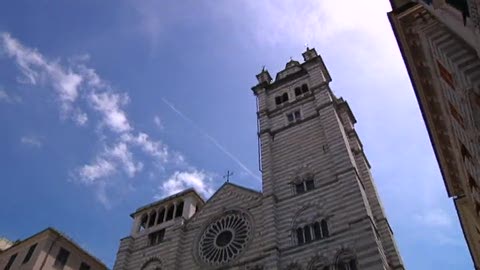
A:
321,208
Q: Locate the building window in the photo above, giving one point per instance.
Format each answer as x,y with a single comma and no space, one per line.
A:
294,116
281,99
143,223
62,258
10,261
299,188
161,216
309,184
84,266
179,210
347,265
312,232
156,238
170,212
317,230
306,185
445,74
29,253
153,217
308,234
301,90
298,91
300,238
304,88
456,115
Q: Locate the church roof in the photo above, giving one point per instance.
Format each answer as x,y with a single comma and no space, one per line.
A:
256,192
171,197
238,186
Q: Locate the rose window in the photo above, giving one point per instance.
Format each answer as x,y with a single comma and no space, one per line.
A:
224,239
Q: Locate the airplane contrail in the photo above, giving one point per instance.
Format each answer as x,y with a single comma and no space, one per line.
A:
211,139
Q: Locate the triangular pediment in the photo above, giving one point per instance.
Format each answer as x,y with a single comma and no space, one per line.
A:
229,196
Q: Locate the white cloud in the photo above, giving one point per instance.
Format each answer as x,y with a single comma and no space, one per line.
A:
121,153
101,168
31,141
37,69
434,218
9,98
81,118
352,30
181,180
78,83
153,148
158,122
109,105
109,162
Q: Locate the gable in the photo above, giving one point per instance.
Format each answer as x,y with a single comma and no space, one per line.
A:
231,219
228,196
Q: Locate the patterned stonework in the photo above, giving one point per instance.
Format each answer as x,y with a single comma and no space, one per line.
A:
318,198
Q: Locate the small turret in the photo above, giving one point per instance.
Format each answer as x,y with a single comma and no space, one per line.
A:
309,54
264,76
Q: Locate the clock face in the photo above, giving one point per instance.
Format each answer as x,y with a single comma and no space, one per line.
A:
224,239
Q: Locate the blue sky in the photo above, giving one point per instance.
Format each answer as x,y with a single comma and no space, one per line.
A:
108,105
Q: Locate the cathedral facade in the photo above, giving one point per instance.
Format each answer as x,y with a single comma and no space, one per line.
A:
318,209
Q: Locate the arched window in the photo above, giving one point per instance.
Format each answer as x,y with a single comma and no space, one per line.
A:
312,232
298,91
346,261
304,88
179,212
308,234
350,264
318,263
153,217
152,264
300,238
324,226
161,215
306,184
317,231
320,230
278,100
143,222
309,183
171,208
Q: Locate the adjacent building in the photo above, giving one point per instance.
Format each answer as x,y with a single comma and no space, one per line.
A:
440,44
4,244
318,209
46,250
